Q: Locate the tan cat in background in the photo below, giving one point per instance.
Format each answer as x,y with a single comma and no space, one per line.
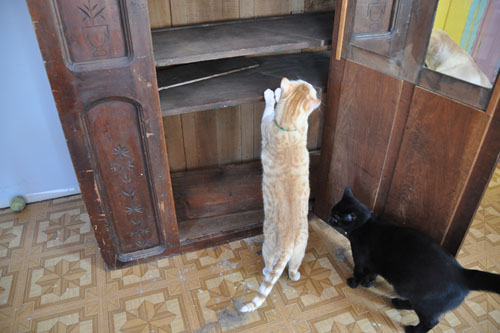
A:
445,56
285,182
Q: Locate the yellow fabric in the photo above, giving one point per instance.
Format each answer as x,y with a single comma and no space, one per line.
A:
451,16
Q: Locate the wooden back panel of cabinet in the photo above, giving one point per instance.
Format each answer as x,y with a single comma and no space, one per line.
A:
167,13
220,137
99,60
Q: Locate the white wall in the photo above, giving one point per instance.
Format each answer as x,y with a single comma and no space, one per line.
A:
34,159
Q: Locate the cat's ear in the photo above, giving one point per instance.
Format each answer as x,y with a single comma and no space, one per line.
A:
285,87
312,104
348,193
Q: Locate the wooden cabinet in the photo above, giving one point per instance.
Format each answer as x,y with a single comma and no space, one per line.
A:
105,64
123,101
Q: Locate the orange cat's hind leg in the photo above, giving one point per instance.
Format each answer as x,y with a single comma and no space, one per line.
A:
296,259
267,254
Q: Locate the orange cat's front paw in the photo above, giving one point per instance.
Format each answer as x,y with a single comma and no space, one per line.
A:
277,94
269,97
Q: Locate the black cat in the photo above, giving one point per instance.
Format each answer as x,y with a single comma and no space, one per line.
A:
427,278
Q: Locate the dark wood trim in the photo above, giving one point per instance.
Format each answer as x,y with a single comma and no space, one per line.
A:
454,88
335,76
495,98
418,35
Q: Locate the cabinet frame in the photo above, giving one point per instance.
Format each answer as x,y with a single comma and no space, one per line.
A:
100,63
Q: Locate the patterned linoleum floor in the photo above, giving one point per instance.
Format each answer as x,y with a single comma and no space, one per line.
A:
52,279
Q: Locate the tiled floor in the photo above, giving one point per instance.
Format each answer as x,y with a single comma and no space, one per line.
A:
52,279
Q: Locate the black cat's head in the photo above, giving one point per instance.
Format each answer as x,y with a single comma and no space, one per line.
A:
348,214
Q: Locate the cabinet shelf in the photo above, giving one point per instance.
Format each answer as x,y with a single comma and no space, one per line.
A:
246,86
248,223
221,201
181,45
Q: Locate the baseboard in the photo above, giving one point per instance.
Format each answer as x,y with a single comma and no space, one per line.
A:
35,197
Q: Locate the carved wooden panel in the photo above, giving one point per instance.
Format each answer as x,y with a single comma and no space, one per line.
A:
99,60
92,29
124,180
373,16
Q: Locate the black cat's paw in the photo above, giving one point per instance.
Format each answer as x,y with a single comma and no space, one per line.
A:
401,304
410,329
351,282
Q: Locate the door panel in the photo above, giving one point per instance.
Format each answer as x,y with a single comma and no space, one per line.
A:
398,128
119,154
100,66
437,153
363,130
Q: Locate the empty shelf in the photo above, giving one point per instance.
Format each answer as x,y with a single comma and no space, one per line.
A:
246,86
189,44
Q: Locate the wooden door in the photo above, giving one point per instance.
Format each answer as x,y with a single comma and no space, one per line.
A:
101,69
413,144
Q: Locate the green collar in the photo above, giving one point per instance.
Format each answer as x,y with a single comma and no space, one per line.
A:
281,128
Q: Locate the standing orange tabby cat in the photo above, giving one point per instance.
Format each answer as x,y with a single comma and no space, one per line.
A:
285,182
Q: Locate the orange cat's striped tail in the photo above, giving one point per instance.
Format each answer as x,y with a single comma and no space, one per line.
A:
267,285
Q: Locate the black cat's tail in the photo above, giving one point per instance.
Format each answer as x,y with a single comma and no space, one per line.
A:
478,280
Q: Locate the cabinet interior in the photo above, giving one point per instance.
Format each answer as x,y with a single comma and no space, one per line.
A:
211,77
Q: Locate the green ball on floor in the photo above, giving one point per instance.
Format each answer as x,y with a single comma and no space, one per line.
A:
17,204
